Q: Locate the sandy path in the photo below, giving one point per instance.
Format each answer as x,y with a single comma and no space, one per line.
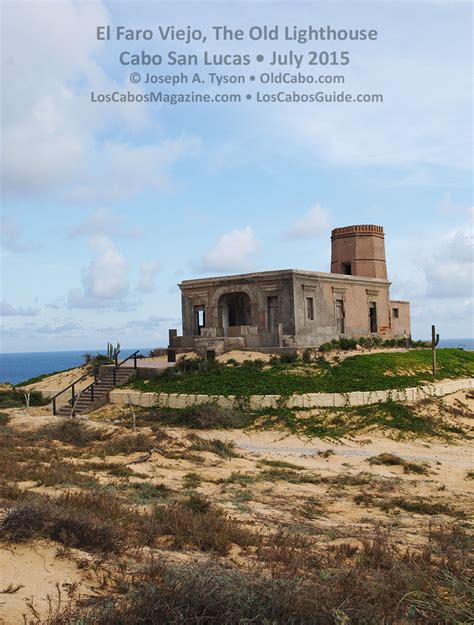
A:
37,569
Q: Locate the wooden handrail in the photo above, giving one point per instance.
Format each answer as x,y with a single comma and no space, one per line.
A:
134,356
91,386
86,375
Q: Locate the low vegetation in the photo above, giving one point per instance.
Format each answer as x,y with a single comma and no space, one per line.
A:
177,526
379,371
430,418
373,584
14,398
394,460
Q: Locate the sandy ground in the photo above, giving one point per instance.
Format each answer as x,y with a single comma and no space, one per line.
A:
55,383
39,572
325,509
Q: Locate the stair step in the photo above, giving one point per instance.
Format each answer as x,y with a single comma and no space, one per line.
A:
87,402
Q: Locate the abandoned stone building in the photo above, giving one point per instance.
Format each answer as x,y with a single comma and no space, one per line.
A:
291,308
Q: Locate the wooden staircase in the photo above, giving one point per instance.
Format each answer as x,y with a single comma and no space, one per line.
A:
96,394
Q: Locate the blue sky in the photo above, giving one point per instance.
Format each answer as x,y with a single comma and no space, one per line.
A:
106,207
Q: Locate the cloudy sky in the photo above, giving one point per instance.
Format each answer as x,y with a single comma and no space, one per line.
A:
105,208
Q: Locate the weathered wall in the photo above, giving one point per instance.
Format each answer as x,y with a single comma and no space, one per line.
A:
307,400
355,292
363,247
402,325
258,287
291,288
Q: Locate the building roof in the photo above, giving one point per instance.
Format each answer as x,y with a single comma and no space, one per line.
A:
283,273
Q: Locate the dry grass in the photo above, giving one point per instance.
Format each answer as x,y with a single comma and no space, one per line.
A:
224,449
416,505
374,584
393,459
197,523
286,554
83,520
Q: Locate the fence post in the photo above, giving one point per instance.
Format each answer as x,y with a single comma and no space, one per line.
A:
434,343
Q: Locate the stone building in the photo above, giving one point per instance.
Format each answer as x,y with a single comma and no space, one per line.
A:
291,308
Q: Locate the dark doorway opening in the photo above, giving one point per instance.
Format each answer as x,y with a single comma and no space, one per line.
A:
373,317
272,313
199,319
340,317
347,269
234,310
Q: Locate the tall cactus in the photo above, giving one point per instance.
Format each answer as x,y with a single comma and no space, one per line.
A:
434,343
111,350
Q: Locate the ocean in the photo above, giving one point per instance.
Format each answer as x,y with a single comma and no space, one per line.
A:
17,367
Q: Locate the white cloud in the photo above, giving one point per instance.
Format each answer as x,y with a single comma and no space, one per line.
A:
233,251
148,272
11,238
420,121
151,323
105,281
52,134
313,223
106,222
7,310
449,273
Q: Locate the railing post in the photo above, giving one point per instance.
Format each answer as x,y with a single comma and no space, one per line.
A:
54,405
72,392
115,376
134,361
92,393
116,358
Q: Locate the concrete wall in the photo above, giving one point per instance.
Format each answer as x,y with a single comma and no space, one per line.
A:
291,289
356,294
307,400
258,287
401,325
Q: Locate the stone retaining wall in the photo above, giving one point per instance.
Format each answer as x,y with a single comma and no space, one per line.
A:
307,400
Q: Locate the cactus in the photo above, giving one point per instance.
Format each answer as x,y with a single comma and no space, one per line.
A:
434,343
112,351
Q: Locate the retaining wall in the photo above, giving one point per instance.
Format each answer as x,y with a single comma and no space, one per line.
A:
307,400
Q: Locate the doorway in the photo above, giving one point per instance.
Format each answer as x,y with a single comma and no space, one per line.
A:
373,317
272,313
199,319
340,317
234,310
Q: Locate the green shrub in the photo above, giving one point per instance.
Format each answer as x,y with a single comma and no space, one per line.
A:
365,372
16,399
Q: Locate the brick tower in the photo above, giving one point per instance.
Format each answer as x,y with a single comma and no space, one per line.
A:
359,251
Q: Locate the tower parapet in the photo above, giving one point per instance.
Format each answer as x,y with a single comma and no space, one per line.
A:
359,250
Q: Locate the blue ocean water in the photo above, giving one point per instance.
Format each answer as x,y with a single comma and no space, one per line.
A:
467,344
16,367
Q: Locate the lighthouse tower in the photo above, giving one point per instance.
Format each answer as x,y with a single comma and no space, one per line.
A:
359,251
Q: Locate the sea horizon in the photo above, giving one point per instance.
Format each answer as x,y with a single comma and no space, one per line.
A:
16,367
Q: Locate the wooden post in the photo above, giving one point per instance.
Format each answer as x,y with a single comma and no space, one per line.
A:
434,343
27,402
132,412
